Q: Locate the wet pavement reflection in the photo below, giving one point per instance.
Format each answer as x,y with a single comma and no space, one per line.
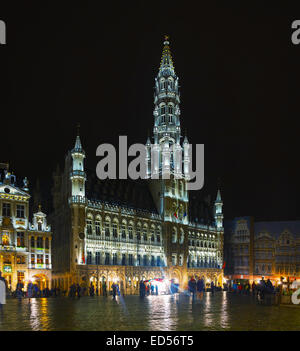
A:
223,311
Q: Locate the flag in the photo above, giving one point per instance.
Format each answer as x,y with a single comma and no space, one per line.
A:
83,258
184,215
224,264
175,215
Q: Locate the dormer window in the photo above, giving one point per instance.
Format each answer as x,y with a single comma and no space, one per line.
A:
39,226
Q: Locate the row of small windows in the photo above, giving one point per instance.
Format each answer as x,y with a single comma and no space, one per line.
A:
140,233
210,245
202,262
125,259
7,210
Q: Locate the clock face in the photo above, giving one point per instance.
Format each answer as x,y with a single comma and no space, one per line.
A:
81,236
7,190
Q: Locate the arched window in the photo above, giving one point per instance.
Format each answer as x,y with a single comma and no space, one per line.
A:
174,235
107,228
89,227
130,231
138,232
123,231
115,229
98,228
181,237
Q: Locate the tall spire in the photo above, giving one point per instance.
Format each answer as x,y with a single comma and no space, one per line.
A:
219,199
78,146
166,63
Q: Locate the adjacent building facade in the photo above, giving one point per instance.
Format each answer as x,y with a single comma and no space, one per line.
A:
256,249
124,230
25,247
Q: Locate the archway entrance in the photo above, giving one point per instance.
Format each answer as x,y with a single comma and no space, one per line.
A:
41,280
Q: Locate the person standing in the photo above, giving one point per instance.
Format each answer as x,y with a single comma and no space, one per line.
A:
253,288
104,288
78,289
19,291
29,291
2,291
200,288
156,289
114,290
92,290
212,286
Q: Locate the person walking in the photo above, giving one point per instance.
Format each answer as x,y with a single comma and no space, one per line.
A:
104,288
2,291
29,291
200,288
212,286
192,287
92,290
19,290
114,290
253,288
78,290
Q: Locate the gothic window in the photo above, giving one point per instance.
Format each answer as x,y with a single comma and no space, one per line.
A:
138,260
32,242
107,258
107,229
145,238
6,210
123,259
130,260
174,236
32,259
181,237
115,230
130,232
138,233
158,238
89,258
158,261
152,261
98,228
20,211
39,226
97,257
145,260
39,259
123,231
89,228
115,258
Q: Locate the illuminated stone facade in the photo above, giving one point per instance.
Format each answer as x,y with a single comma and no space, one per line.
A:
125,230
25,247
256,249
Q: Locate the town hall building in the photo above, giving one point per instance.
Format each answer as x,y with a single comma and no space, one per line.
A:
122,230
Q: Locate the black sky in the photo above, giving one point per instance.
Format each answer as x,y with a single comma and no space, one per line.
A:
95,63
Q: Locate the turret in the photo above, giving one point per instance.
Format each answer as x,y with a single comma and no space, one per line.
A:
218,211
78,175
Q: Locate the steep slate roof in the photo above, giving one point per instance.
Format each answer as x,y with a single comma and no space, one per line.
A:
124,192
136,194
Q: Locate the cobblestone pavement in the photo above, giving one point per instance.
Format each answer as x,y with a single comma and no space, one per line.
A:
223,311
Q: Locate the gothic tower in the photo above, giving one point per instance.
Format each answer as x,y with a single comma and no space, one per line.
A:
78,202
167,162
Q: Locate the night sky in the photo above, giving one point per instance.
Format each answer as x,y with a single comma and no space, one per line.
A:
95,63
